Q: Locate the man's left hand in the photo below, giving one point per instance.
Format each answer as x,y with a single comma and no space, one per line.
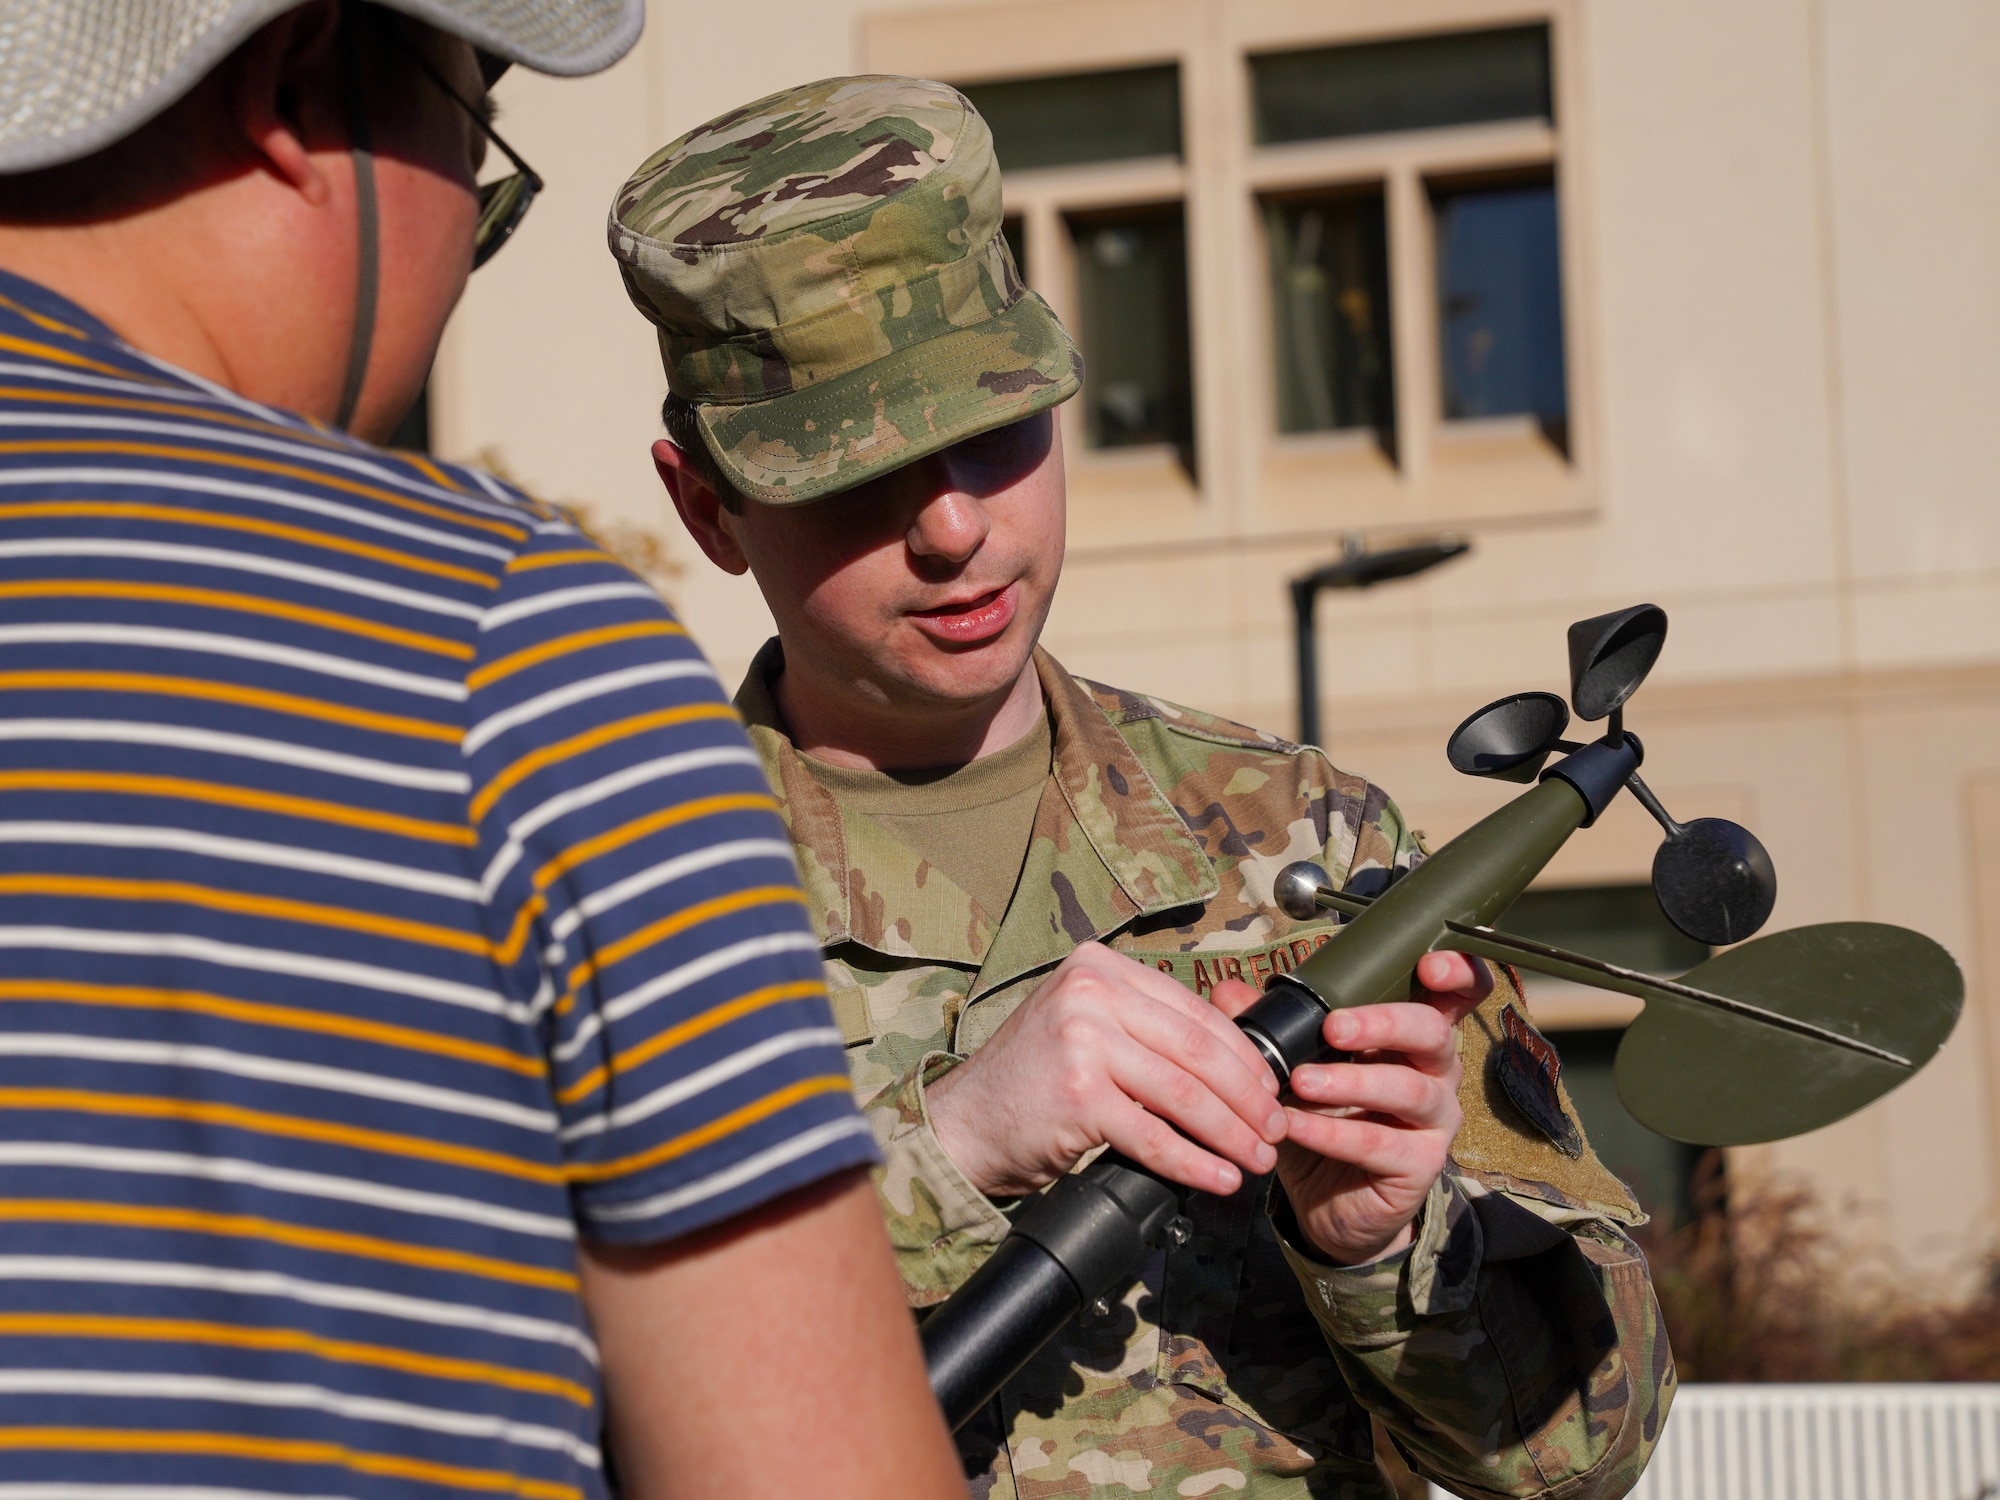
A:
1367,1138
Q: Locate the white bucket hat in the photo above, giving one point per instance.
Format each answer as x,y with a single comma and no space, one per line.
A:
76,75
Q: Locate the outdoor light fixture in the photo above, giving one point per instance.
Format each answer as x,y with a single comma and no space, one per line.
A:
1358,568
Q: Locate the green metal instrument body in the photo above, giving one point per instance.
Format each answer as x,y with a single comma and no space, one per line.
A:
1770,1039
1470,881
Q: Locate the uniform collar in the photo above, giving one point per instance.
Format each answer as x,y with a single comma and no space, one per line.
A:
1108,848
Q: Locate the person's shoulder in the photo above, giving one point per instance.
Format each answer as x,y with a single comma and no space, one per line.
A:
1164,727
1209,765
471,488
222,434
1123,707
1189,748
467,479
558,543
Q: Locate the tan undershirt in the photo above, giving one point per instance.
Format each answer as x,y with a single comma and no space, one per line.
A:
973,822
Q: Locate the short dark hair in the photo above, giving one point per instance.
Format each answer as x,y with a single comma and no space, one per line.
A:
684,432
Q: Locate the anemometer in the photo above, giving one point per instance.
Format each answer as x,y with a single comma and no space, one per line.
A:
1769,1039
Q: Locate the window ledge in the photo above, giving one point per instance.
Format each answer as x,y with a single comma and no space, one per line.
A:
1119,494
1152,458
1478,471
1485,440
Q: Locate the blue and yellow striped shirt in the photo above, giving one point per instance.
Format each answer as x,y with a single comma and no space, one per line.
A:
387,895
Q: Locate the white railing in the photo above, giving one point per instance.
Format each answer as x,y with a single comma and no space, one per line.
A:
1827,1442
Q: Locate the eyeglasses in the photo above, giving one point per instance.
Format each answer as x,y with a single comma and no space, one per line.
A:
502,203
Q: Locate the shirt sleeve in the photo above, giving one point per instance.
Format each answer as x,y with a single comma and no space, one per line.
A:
1507,1355
1515,1347
941,1227
645,907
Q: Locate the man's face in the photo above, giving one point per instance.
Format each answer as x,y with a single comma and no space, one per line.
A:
928,586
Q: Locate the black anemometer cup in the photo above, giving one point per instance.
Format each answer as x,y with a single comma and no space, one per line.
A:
1714,881
1610,655
1712,878
1510,738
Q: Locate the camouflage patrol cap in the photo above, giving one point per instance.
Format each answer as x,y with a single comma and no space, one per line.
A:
831,287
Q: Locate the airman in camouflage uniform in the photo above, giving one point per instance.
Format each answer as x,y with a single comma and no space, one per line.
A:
832,292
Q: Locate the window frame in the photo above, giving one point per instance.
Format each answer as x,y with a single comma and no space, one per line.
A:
1043,198
1251,482
1405,164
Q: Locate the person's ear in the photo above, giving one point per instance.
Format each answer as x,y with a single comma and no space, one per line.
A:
284,92
700,508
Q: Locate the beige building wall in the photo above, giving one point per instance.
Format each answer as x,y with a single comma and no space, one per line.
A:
1782,247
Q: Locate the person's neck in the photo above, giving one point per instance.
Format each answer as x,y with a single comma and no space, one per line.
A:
856,730
120,275
233,279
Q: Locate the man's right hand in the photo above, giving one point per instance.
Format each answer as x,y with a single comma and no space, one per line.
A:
1109,1052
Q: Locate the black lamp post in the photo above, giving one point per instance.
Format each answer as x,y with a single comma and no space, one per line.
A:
1357,569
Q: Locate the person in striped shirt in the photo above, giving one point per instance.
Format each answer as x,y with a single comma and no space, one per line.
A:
412,1042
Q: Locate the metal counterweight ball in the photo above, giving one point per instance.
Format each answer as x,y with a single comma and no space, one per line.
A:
1296,888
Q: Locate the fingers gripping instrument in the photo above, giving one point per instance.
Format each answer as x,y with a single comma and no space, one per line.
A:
1770,1039
1090,1232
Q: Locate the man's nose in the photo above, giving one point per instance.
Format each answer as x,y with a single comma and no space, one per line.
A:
949,527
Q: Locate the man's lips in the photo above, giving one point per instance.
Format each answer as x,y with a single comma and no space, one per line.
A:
965,622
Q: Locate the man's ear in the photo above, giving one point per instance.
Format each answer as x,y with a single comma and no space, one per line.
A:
286,91
700,509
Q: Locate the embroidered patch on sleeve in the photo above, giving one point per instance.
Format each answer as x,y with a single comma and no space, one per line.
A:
1531,1073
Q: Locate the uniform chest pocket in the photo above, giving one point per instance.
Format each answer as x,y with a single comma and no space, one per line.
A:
851,1014
1201,1287
1236,1327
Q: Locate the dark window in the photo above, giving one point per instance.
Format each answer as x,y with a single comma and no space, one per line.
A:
1500,321
414,431
1623,925
1330,311
1132,297
1079,117
1416,83
1016,235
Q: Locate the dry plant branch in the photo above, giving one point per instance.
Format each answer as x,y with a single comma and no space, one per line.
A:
1762,1287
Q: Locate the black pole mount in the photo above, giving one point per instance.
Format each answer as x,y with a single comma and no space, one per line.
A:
1071,1249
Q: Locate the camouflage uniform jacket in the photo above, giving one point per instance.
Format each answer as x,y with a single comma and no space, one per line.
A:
1515,1349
